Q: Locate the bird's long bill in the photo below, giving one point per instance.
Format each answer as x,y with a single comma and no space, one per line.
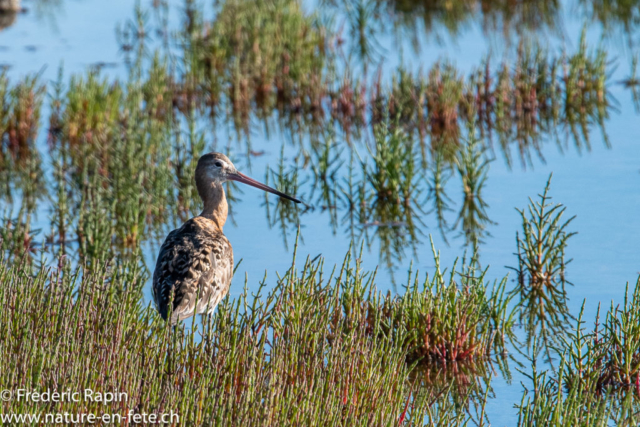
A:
240,177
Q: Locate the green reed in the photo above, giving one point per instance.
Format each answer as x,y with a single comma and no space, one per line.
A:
463,325
326,162
541,271
437,182
606,360
472,167
597,378
390,189
269,54
284,213
20,161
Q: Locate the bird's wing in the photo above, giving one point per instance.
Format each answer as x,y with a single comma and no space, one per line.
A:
194,265
215,284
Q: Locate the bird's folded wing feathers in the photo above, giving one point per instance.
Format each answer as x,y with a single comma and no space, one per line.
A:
195,265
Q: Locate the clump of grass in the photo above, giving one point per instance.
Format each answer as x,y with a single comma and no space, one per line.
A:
521,104
585,79
473,167
399,101
541,94
541,280
443,96
104,139
88,115
391,189
596,381
268,54
447,321
348,106
620,341
392,174
19,117
20,162
606,360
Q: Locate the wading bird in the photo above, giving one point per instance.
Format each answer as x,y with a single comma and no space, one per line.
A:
195,263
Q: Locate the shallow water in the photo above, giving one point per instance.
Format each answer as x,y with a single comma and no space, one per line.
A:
599,186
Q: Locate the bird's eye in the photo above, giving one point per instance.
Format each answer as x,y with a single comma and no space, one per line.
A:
218,164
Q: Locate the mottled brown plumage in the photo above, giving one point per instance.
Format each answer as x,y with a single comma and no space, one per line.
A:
195,263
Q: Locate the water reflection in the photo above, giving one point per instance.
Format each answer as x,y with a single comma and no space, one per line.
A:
509,21
279,212
380,191
473,167
251,83
20,160
619,19
376,157
380,197
467,385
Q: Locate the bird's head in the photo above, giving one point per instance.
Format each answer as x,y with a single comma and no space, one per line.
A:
215,168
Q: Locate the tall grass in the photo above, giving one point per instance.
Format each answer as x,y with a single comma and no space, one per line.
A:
596,381
541,271
321,348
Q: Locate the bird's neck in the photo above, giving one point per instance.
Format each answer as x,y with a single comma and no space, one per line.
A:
215,205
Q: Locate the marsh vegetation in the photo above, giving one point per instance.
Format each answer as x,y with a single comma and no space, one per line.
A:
95,170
